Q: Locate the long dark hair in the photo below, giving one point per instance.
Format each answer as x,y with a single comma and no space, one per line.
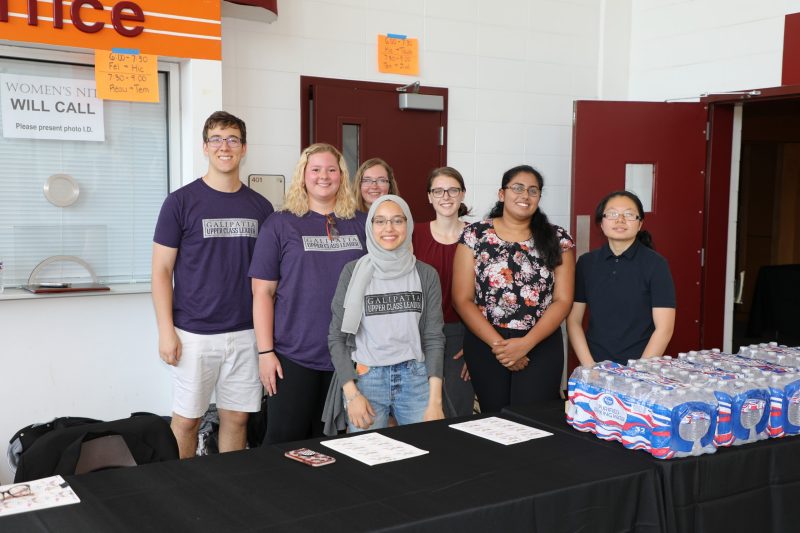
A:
450,172
643,236
545,240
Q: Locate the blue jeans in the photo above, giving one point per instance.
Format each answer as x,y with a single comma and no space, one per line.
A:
399,390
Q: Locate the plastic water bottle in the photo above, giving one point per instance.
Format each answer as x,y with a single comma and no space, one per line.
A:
751,413
693,427
751,400
693,410
2,271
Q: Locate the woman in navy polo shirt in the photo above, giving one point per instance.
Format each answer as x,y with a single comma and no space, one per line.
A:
627,287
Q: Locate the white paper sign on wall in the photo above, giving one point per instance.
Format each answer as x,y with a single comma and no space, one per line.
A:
37,107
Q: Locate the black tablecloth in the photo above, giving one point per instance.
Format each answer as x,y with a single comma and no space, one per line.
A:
465,483
753,487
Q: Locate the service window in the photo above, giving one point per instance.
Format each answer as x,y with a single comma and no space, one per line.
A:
80,177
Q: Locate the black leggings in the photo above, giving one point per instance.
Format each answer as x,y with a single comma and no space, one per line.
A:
498,387
295,413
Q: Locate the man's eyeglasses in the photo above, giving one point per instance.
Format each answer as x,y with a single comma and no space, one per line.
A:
452,192
216,141
519,188
627,215
330,228
396,222
369,182
17,491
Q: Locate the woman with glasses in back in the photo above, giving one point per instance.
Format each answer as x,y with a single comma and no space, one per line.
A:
513,281
435,243
626,286
386,336
373,179
298,256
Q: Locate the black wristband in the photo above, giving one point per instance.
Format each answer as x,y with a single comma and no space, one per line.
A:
271,350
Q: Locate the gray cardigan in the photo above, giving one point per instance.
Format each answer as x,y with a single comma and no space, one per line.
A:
341,345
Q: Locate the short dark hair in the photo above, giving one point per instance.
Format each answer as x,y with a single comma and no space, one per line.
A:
601,207
643,236
223,119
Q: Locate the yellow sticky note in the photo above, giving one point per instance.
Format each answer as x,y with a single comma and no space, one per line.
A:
121,76
398,55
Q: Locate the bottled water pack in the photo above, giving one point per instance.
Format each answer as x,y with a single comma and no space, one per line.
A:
784,387
642,410
690,404
741,391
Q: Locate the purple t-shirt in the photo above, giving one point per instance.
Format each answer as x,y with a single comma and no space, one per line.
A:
215,233
297,253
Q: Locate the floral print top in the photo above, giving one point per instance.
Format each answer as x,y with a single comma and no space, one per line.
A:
513,288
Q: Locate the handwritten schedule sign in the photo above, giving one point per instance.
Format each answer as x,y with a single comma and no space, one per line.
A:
398,55
125,76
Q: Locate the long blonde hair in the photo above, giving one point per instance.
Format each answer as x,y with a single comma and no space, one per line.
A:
296,201
361,205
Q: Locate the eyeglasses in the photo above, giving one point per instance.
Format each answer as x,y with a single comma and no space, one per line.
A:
216,141
330,228
369,182
452,192
396,222
17,491
629,216
519,188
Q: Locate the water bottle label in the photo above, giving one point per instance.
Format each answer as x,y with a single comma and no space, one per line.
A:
751,406
609,410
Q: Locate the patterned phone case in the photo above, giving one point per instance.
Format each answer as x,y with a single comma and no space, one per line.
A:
310,457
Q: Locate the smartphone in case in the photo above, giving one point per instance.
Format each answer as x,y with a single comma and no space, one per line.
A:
310,457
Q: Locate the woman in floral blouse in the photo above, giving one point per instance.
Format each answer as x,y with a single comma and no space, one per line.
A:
513,284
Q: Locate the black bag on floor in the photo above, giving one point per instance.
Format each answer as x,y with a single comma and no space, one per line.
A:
25,437
147,438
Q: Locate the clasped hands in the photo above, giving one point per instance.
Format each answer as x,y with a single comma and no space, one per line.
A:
512,353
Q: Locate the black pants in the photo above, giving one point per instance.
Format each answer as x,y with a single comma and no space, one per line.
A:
295,412
457,395
498,387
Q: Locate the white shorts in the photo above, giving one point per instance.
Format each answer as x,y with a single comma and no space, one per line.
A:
225,363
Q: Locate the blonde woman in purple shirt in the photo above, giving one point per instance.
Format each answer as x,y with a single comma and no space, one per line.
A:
296,264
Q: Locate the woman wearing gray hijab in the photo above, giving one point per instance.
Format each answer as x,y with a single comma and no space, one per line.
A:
385,337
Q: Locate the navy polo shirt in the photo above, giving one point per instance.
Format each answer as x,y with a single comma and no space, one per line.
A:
620,293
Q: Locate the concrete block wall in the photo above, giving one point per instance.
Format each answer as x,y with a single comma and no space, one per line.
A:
681,49
513,68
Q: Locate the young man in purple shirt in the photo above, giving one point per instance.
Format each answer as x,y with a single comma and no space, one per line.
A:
203,242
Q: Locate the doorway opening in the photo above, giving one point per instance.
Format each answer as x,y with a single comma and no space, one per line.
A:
767,296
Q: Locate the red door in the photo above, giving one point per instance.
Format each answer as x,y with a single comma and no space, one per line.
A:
671,137
364,120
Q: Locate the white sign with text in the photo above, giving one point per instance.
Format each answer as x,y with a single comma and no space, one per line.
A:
36,107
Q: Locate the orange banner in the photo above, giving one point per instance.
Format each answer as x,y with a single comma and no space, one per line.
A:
176,29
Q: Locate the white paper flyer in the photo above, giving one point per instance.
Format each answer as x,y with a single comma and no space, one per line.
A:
374,448
34,495
500,430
